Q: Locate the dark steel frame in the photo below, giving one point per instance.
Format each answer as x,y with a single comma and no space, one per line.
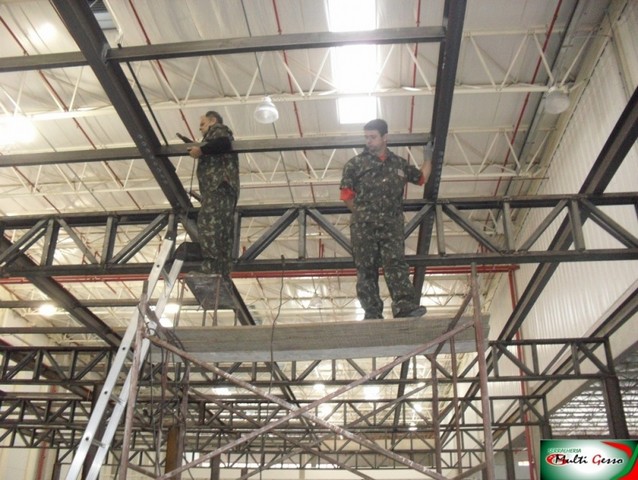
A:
105,62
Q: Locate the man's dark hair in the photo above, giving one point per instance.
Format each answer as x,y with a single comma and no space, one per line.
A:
213,114
377,124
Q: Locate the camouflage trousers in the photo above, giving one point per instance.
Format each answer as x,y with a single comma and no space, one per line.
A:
215,227
377,245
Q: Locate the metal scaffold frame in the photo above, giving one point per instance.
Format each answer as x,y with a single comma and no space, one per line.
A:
214,419
140,334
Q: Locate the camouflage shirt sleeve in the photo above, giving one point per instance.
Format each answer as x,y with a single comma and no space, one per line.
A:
348,176
412,173
217,145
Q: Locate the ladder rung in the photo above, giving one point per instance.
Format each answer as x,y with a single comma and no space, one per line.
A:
98,444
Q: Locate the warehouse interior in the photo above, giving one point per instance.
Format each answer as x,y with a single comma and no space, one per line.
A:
523,243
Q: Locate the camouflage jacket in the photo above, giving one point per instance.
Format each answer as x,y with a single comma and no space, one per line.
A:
219,167
378,185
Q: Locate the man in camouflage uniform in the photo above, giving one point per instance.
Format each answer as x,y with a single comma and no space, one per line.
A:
372,187
218,177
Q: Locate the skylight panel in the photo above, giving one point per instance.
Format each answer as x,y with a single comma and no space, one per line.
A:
351,15
16,129
354,67
356,109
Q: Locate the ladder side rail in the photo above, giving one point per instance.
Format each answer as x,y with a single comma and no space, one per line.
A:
120,406
118,362
169,284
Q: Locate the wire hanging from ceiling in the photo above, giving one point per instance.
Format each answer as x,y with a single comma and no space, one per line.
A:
148,104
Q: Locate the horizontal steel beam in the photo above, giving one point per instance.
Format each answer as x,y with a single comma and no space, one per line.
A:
131,217
226,46
179,149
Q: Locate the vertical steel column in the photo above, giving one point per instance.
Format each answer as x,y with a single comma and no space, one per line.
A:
174,450
510,469
453,18
436,428
613,399
236,235
50,243
215,469
528,435
457,410
485,400
614,406
57,471
301,247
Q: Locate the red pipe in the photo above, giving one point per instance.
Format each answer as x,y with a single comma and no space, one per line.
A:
521,356
343,272
538,64
513,290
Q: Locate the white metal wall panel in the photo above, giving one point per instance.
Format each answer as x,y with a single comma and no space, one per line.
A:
627,45
578,294
500,307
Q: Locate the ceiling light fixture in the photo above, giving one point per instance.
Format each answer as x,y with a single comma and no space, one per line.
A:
16,129
556,100
47,309
166,322
171,308
266,112
315,302
371,392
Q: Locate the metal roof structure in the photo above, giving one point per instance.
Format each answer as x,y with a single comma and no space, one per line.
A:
101,88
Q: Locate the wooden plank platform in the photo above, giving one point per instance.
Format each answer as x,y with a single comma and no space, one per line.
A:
319,341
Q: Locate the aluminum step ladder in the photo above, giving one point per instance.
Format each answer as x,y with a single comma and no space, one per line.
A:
142,314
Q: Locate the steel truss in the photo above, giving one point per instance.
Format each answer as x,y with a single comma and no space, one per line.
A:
87,366
456,422
96,254
212,421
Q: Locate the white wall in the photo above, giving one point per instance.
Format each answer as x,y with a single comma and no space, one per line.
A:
579,295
